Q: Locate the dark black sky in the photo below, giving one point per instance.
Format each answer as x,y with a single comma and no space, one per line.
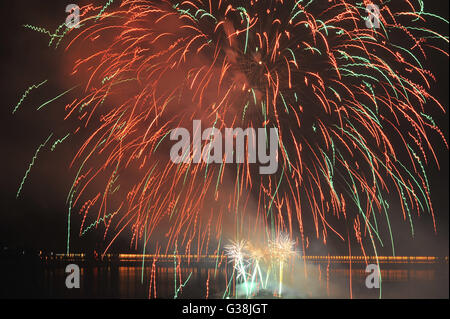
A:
38,218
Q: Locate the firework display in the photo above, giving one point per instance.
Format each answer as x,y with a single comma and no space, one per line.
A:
351,103
248,262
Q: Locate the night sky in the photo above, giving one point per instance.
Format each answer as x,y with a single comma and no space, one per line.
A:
37,219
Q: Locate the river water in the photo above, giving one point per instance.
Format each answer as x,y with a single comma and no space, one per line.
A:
310,281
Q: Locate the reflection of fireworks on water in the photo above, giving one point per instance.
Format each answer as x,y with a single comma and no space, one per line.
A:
336,91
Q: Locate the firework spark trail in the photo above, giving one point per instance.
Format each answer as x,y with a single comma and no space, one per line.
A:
348,103
59,141
40,29
55,98
26,94
95,223
32,163
104,9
